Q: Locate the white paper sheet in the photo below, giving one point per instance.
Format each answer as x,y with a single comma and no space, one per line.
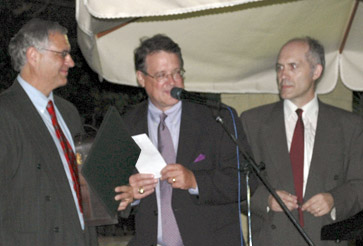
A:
150,159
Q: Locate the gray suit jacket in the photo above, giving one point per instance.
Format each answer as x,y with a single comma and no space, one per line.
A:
212,218
36,204
336,167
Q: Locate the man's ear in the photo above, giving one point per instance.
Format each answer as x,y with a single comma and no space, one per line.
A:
317,72
140,78
32,55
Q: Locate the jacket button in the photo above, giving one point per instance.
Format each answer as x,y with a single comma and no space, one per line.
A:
56,229
39,166
48,198
155,212
273,227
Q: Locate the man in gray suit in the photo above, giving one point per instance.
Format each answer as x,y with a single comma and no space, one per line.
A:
331,174
40,202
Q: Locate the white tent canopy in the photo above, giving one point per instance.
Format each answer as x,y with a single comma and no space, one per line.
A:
228,46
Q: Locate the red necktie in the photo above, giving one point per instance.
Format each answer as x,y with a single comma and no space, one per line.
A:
68,153
297,161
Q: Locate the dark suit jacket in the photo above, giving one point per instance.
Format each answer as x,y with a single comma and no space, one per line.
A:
36,204
212,218
336,167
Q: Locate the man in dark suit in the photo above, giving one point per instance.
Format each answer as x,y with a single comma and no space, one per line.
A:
331,174
39,202
204,177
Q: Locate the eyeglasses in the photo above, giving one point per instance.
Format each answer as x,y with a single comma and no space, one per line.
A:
162,77
63,53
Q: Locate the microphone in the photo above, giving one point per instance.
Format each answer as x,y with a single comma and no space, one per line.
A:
181,94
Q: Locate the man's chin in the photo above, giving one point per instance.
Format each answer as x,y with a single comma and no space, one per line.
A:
285,95
63,82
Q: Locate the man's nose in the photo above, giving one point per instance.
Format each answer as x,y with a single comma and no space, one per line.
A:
170,79
69,61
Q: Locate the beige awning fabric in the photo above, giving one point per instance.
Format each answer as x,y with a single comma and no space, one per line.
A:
228,46
141,8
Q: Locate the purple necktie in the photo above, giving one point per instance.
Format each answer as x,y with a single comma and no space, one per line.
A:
297,161
171,235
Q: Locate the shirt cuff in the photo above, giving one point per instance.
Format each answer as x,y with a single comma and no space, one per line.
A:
193,191
333,214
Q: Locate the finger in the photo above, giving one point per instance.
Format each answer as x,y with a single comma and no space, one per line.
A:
140,176
311,204
317,211
175,182
124,188
275,206
139,196
172,167
169,176
144,183
122,206
289,201
141,189
123,196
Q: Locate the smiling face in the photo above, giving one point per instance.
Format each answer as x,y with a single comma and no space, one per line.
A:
296,76
159,93
52,68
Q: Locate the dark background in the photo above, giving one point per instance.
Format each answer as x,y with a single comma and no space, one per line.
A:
90,96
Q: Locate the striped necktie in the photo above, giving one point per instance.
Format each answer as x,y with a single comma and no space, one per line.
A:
68,153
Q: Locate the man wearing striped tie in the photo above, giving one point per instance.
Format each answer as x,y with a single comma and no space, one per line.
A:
40,198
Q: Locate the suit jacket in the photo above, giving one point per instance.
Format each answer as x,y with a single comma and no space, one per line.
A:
36,205
336,167
212,218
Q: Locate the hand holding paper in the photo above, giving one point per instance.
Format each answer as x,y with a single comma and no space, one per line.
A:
150,160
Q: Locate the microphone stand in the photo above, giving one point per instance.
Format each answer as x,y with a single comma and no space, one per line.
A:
247,174
252,165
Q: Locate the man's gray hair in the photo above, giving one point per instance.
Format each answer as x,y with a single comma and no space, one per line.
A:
34,33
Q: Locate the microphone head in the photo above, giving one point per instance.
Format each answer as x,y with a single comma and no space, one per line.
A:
176,92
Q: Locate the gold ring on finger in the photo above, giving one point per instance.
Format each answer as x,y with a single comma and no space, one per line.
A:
141,190
173,180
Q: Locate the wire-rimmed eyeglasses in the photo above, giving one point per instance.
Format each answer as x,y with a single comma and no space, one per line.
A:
162,77
63,53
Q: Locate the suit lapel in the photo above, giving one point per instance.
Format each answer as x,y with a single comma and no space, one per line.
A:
139,119
276,145
189,134
325,142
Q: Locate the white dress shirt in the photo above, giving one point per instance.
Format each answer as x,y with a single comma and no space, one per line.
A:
310,119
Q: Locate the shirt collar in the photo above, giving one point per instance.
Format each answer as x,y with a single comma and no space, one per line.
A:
309,110
39,100
172,112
